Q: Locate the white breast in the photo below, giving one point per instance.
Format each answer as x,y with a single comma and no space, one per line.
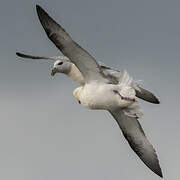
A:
84,96
100,96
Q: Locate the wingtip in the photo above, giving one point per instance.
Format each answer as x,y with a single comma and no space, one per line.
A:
156,168
147,96
153,165
156,100
38,7
18,54
44,18
40,12
160,174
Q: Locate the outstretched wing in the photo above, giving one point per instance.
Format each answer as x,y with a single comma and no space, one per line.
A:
54,58
81,58
138,141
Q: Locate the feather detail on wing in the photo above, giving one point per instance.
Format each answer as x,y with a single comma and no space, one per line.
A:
80,57
138,141
146,95
54,58
141,93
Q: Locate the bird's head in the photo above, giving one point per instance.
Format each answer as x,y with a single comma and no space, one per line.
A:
61,66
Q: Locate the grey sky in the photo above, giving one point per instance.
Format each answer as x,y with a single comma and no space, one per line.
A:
44,133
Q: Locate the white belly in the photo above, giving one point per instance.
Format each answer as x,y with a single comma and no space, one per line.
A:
99,96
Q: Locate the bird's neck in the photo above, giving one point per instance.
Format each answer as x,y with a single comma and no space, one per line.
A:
76,75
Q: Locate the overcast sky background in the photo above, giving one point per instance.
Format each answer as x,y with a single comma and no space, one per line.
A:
44,133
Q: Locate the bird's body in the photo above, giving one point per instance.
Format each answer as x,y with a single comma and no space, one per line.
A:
76,75
100,96
103,88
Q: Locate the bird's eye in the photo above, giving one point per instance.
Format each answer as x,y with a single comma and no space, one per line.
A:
60,63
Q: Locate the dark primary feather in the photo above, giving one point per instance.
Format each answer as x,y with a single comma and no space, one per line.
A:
31,57
138,141
147,96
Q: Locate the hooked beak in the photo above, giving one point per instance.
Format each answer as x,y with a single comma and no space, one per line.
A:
53,72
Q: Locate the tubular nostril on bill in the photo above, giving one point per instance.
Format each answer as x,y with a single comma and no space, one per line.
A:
53,72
